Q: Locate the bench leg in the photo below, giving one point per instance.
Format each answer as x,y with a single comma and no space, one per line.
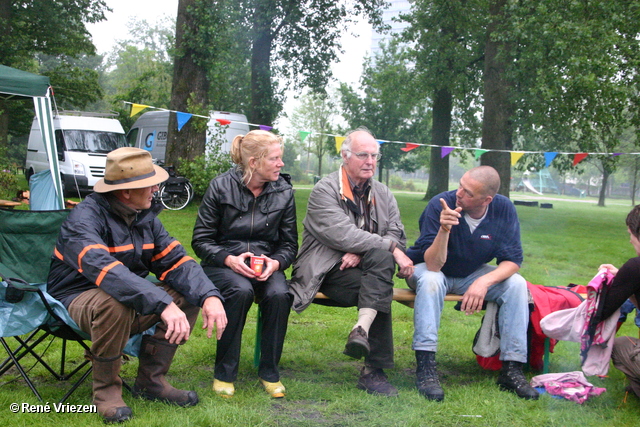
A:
545,360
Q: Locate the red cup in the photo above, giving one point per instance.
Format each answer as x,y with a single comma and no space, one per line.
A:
257,264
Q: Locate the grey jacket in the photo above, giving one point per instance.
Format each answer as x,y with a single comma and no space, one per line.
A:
330,231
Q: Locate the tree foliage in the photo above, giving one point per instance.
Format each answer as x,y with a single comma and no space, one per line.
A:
557,74
446,40
293,44
389,106
51,35
317,113
140,67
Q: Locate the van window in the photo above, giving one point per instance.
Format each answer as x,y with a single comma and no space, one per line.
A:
132,137
90,141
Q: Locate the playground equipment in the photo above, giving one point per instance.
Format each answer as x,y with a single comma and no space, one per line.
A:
538,182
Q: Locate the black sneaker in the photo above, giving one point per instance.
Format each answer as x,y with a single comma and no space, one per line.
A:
357,344
376,383
512,379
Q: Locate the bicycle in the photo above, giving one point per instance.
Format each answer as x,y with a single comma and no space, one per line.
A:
176,192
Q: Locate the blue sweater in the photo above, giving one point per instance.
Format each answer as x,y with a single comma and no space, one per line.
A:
497,236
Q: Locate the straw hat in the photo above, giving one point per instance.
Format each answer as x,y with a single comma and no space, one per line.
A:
129,168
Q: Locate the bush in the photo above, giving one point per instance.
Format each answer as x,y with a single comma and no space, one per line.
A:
204,168
410,186
8,184
396,182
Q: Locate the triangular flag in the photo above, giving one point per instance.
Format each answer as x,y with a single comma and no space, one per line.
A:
445,151
515,156
303,135
182,119
616,154
480,152
381,142
136,108
579,157
339,141
548,158
223,122
265,127
410,146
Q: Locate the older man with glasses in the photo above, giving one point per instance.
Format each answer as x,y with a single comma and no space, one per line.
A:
352,240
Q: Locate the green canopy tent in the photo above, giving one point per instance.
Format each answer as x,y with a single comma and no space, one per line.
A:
17,84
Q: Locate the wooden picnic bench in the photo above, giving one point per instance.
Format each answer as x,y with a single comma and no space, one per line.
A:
9,204
403,296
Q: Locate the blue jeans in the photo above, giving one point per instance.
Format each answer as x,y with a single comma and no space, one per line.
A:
510,295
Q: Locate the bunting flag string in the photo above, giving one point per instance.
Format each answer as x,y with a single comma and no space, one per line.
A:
410,146
182,119
515,156
549,156
339,141
578,157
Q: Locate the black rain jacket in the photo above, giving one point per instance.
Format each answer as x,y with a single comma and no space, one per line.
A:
97,248
231,221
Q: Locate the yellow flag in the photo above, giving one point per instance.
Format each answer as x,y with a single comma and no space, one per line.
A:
339,141
515,156
136,108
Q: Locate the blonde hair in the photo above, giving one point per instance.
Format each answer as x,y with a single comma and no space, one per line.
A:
255,144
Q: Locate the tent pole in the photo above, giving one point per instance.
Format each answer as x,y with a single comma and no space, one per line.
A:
45,119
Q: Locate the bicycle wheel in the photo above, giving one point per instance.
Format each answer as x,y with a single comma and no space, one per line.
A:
190,188
175,198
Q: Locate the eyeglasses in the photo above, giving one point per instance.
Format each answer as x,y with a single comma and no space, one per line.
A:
365,156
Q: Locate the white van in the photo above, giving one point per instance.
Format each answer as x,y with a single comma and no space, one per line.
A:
150,131
83,140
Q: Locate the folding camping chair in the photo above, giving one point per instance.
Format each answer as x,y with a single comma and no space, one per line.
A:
27,313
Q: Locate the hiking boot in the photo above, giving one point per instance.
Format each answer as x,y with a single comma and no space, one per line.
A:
376,383
512,379
357,344
107,390
427,380
154,363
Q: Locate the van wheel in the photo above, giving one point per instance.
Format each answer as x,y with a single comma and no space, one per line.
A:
63,185
28,173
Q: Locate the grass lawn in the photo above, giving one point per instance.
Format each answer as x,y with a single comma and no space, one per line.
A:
562,245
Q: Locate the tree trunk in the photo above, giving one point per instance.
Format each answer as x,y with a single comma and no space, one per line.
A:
636,167
440,131
498,110
189,93
603,188
262,98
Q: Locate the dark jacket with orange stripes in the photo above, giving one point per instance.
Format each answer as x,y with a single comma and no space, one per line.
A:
97,248
231,221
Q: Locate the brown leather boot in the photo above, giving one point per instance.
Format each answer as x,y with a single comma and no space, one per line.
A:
107,390
154,363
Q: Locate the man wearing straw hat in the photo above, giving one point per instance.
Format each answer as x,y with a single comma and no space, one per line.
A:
107,246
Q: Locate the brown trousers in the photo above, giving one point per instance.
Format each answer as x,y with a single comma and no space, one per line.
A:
110,323
626,358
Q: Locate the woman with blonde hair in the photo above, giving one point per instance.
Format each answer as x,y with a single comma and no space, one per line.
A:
249,211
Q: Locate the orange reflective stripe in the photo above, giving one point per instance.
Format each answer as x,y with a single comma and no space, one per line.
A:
148,246
58,254
105,271
87,249
115,249
166,251
176,265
